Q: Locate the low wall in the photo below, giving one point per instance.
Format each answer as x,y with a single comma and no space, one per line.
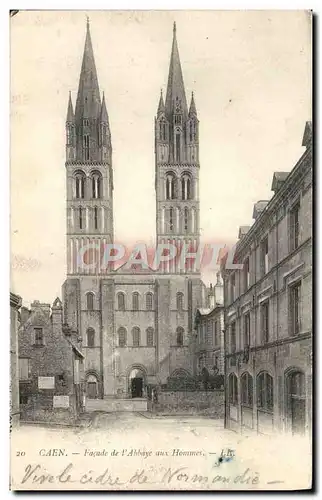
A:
191,402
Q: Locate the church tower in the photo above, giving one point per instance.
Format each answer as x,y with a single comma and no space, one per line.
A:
89,172
177,168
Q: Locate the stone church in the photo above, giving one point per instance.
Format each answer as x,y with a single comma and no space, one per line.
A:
136,325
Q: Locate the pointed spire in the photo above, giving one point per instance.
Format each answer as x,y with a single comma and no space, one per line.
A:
192,109
88,103
70,111
161,108
175,89
104,115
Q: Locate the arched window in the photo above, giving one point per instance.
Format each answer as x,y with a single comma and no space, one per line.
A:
179,301
149,301
122,336
136,334
80,217
90,301
150,337
180,334
171,219
95,217
96,185
246,389
92,387
232,389
86,147
79,185
171,187
90,337
265,396
186,187
135,301
121,301
186,219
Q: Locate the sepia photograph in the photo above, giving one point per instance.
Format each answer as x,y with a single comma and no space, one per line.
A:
161,250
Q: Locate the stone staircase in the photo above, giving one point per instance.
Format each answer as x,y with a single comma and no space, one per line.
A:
116,404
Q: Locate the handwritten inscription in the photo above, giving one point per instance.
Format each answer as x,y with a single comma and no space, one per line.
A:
36,474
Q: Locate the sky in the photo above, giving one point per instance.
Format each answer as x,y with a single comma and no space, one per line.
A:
250,72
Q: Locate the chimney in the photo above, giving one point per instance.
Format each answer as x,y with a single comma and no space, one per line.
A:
259,207
278,180
242,231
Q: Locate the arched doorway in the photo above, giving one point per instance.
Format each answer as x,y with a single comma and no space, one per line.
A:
296,401
91,387
136,382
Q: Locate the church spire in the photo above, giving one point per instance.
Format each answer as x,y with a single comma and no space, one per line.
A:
161,108
104,115
88,103
192,109
70,111
175,90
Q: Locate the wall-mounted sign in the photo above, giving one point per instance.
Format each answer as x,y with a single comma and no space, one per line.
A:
61,401
46,382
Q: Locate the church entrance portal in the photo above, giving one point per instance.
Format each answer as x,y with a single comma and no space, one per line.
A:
136,383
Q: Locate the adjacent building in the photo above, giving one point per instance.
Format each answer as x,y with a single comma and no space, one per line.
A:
268,309
51,368
136,325
209,326
15,304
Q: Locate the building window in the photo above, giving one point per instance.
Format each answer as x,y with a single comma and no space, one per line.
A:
217,336
295,308
186,187
246,330
265,399
80,216
90,337
265,322
85,122
180,333
150,337
136,334
171,219
294,226
264,256
149,301
95,217
246,274
232,389
86,147
170,184
122,337
179,301
186,219
24,368
79,185
69,135
178,147
246,389
39,336
135,301
232,287
233,337
90,301
96,185
121,301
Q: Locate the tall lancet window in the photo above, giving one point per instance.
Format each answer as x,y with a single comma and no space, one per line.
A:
170,187
96,185
103,133
80,185
186,219
178,147
171,219
186,187
69,134
80,214
86,147
95,217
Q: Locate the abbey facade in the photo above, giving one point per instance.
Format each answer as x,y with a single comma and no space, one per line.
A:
136,325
